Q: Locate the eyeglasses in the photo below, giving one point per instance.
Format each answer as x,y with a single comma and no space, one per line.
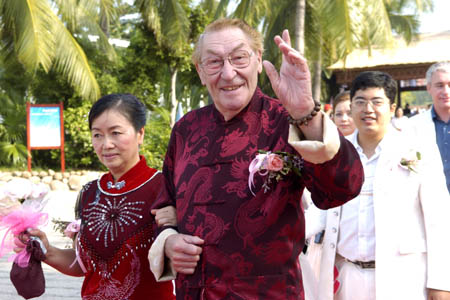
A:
361,103
239,59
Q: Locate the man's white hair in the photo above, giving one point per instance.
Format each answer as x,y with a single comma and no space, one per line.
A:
443,66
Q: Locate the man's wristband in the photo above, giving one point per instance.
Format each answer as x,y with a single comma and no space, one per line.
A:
306,119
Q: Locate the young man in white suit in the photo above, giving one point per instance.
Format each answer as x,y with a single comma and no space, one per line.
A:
391,241
433,126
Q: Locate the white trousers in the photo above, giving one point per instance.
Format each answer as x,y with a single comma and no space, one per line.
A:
356,283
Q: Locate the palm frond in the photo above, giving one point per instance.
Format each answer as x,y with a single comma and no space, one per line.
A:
406,25
252,11
72,62
150,13
28,26
175,25
209,6
67,10
221,10
13,154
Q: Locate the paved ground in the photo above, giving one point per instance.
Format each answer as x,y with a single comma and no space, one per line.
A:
58,286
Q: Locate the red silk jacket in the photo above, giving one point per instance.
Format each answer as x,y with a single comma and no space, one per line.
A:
252,242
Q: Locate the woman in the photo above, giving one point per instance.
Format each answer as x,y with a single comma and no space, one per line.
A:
341,113
116,228
399,121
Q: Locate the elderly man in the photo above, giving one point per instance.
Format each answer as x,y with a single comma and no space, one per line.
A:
432,128
240,220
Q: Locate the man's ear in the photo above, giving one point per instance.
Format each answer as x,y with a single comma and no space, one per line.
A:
259,57
200,74
393,107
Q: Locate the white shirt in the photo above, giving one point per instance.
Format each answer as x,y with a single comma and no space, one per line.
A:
399,123
356,240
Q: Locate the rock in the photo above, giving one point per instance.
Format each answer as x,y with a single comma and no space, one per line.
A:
57,185
56,181
75,182
47,179
6,177
93,176
58,176
35,179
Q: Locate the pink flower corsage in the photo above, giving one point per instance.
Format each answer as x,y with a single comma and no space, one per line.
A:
72,228
274,165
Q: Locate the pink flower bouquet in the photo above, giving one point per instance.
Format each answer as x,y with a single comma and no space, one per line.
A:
21,203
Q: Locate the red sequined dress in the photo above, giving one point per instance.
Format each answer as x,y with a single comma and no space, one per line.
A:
115,236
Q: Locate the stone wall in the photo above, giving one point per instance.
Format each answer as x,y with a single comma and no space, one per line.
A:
56,181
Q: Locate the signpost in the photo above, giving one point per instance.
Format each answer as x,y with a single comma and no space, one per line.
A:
45,129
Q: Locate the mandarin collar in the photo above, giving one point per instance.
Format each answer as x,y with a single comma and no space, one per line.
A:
251,106
133,178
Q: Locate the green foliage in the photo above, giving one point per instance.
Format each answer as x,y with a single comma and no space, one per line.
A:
156,139
416,98
142,70
33,32
13,83
79,152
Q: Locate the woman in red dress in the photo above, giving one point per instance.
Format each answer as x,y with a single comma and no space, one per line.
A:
116,230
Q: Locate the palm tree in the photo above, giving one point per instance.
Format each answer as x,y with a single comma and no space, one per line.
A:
331,28
40,35
168,20
36,33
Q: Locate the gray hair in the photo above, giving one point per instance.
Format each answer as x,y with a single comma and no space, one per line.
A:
443,66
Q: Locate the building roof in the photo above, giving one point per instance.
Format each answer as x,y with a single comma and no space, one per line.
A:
402,61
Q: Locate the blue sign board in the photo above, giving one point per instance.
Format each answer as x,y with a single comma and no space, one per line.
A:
45,126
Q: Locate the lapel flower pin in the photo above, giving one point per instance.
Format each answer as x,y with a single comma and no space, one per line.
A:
411,161
273,165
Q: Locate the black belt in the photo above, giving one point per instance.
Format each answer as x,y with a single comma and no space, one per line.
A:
363,264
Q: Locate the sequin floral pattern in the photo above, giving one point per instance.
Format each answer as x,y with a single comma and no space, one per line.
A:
115,235
107,220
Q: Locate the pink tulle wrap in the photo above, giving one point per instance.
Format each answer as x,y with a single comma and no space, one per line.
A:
17,222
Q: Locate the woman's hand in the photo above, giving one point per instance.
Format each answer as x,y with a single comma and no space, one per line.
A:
22,240
166,216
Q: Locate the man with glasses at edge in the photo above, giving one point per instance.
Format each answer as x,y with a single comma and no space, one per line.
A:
240,233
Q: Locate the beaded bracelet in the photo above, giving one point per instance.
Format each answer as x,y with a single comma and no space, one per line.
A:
305,120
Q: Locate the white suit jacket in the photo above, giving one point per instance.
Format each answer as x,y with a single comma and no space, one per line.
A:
422,127
411,227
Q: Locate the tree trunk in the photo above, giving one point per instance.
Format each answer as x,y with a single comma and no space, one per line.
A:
173,96
104,24
299,34
317,77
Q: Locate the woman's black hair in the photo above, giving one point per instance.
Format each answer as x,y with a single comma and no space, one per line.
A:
126,104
